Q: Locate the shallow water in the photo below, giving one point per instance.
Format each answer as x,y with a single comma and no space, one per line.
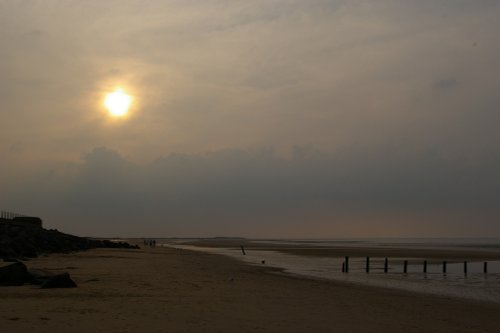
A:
474,285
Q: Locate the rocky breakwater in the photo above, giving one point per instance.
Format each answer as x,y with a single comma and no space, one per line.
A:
17,241
20,242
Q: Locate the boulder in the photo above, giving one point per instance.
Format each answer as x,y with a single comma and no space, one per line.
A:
14,274
39,276
59,281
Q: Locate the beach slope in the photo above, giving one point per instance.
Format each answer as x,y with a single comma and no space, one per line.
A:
170,290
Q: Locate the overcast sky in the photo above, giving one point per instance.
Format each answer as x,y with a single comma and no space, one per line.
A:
262,118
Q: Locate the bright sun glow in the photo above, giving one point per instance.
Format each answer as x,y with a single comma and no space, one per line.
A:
118,102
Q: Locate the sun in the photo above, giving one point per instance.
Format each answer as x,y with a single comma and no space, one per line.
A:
118,102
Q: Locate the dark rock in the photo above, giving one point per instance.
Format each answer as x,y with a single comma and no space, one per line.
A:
17,241
39,276
14,274
10,260
59,281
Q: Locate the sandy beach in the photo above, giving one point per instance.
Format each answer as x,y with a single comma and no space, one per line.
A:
168,290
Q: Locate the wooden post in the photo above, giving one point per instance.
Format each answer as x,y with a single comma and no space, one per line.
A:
367,264
444,267
485,267
425,266
243,250
405,266
465,267
347,264
386,265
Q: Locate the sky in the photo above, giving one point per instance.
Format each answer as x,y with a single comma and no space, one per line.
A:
263,118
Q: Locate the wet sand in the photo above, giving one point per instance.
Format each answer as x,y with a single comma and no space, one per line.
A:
169,290
459,253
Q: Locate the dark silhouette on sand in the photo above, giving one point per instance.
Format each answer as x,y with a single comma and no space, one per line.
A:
23,237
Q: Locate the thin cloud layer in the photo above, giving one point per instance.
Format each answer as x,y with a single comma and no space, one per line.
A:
259,193
398,101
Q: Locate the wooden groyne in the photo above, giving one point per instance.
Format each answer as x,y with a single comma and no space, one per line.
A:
444,266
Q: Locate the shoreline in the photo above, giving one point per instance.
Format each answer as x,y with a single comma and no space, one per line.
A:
458,253
474,286
163,289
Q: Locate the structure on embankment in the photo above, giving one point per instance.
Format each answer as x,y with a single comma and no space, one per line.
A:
19,219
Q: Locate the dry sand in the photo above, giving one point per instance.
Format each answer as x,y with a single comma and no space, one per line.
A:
168,290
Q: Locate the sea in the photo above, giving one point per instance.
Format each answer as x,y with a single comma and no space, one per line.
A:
474,284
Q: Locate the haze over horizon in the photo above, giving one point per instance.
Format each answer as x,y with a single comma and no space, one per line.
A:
320,118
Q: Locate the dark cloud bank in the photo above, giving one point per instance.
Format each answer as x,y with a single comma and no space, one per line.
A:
356,192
